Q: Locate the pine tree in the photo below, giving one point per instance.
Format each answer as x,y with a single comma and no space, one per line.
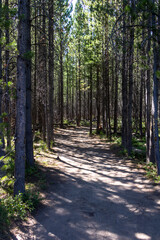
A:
22,67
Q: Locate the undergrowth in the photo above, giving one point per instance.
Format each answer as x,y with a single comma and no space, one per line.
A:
151,172
17,207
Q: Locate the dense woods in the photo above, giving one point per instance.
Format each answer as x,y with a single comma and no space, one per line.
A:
97,65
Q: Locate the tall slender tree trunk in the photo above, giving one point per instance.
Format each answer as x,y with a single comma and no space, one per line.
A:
22,62
67,94
29,135
141,103
77,96
50,135
98,101
124,86
107,82
79,83
149,128
141,91
91,100
131,59
35,73
116,95
84,98
72,96
1,134
155,95
7,100
44,86
61,79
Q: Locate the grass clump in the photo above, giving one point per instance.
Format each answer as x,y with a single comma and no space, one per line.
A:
151,172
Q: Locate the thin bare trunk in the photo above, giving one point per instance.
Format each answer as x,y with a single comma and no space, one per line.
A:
23,35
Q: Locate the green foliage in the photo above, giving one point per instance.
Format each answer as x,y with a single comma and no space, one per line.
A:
40,144
37,136
35,175
117,140
15,207
151,172
102,134
32,199
94,132
128,8
138,154
66,121
7,181
139,143
123,152
12,45
158,74
84,123
28,55
43,145
8,166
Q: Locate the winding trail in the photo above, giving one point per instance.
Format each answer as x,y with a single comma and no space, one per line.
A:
94,195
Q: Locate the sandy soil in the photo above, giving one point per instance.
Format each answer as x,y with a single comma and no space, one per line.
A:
93,195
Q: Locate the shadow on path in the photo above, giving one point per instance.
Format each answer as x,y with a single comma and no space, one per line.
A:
94,195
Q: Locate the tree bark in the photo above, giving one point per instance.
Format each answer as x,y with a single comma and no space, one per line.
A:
131,59
7,101
19,185
51,73
98,101
35,73
79,82
29,135
116,95
91,101
149,128
124,86
155,96
61,79
1,134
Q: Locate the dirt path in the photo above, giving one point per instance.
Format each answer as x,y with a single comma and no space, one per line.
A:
94,195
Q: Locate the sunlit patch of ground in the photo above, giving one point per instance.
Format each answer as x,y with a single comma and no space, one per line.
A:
142,236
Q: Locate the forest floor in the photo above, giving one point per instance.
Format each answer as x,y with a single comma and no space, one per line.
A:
92,194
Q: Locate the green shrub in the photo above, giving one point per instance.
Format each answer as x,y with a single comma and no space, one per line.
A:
15,207
8,166
7,181
151,172
32,199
